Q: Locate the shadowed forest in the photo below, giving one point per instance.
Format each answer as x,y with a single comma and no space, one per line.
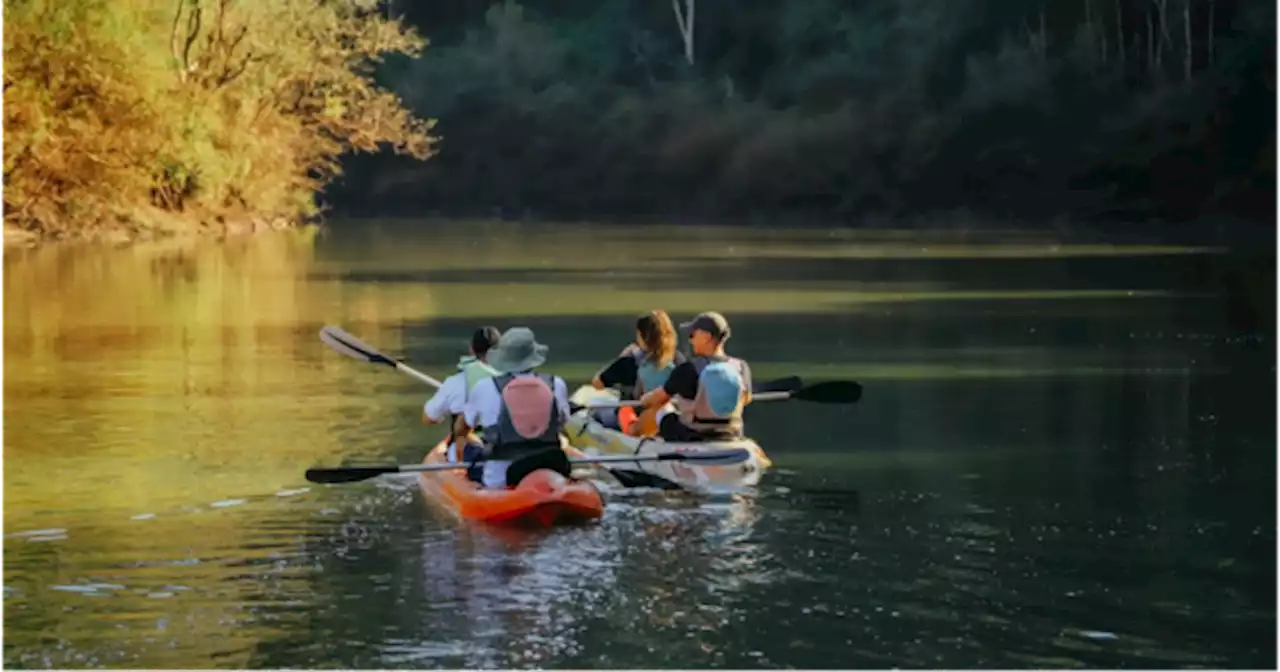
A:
143,115
833,109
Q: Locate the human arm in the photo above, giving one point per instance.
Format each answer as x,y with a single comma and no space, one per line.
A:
621,371
683,382
561,393
746,383
446,400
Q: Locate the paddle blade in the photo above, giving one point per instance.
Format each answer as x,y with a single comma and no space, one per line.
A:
347,474
709,457
351,346
830,392
788,384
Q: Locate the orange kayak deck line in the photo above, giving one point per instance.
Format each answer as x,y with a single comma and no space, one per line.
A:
543,499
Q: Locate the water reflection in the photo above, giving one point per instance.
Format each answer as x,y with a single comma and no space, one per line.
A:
163,400
1063,478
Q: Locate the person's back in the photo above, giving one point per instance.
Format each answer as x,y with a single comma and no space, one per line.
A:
521,411
709,391
644,365
715,410
451,399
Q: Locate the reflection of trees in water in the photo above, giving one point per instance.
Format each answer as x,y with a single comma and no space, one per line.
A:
180,358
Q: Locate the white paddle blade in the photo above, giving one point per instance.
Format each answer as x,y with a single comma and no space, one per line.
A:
346,344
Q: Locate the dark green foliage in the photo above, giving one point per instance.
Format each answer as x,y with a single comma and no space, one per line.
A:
835,109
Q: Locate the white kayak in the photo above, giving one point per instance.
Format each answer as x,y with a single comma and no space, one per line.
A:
587,433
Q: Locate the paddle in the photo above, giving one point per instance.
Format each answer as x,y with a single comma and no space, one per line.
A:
355,348
353,474
346,344
826,392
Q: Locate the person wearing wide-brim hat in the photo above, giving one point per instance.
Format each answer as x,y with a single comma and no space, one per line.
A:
521,411
709,391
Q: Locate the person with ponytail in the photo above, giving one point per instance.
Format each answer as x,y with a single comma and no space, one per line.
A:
643,366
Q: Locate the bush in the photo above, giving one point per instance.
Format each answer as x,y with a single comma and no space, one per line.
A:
182,114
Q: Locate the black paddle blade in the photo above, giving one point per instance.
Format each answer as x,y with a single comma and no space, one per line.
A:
347,474
788,384
351,346
642,479
723,456
830,392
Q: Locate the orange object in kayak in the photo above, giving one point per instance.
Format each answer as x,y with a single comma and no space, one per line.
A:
543,499
626,416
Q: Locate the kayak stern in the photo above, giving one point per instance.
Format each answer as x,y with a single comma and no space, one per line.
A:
543,499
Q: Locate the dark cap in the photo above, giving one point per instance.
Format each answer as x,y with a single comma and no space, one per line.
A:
711,322
483,339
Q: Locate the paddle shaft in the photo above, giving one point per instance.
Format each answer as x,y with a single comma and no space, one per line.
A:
353,474
833,392
719,457
405,368
353,347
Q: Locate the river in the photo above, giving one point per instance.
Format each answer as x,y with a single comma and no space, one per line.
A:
1064,455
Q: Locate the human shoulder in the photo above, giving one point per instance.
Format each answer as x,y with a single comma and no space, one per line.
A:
559,386
486,388
685,368
683,381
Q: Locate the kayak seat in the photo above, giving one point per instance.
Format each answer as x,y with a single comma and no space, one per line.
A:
552,459
542,482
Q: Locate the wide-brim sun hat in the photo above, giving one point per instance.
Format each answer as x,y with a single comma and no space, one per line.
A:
518,350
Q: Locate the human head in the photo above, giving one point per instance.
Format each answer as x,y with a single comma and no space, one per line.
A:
517,351
707,332
483,339
656,336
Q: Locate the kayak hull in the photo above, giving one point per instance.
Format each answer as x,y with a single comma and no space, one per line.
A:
594,438
543,499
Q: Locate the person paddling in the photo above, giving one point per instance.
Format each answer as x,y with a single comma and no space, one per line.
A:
521,412
643,366
451,399
710,390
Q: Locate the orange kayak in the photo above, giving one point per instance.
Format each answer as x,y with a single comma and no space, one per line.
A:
543,499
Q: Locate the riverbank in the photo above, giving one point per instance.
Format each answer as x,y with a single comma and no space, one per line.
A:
960,225
15,237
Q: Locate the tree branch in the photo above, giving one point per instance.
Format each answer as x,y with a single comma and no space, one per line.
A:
193,31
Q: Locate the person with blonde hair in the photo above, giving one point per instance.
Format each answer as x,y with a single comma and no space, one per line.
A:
643,366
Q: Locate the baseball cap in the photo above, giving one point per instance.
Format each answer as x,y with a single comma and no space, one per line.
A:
711,322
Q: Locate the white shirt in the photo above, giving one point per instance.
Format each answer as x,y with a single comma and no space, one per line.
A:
450,398
485,405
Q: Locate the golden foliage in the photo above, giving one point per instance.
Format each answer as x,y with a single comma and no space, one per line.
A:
162,114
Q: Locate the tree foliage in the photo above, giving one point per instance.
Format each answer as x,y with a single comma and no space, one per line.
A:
183,113
835,108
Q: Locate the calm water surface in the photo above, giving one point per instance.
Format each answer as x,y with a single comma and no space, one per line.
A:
1065,455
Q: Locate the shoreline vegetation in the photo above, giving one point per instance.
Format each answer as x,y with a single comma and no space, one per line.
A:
1119,112
138,119
143,118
